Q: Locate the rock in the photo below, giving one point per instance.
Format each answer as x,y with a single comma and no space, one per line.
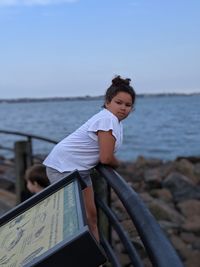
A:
153,177
120,210
181,187
188,238
162,194
115,237
147,263
130,173
193,260
130,228
146,197
124,259
137,243
186,168
167,168
114,196
152,163
169,226
192,224
189,208
142,162
190,159
163,212
181,247
196,244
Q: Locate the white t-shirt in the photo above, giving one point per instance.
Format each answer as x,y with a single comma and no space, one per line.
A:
80,150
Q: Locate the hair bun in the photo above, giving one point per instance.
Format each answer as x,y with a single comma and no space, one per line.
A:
118,81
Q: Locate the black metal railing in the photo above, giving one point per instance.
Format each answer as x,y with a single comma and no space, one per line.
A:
29,137
159,249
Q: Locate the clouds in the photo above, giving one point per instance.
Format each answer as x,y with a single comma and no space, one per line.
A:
33,2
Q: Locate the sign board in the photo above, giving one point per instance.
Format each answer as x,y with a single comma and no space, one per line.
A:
50,229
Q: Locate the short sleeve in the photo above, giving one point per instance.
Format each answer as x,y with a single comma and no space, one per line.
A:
103,124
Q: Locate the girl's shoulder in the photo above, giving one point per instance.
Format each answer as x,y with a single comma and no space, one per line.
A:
104,113
103,119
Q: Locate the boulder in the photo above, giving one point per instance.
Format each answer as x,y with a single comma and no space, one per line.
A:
153,177
188,238
189,208
162,211
181,187
163,194
193,260
181,247
186,168
192,224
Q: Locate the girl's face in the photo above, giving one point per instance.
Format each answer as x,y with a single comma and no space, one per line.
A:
120,105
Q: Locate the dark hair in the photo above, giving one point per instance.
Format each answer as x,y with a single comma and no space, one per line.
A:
37,173
119,85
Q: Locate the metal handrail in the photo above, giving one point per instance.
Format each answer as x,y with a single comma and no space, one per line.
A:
158,247
28,135
29,139
130,249
6,148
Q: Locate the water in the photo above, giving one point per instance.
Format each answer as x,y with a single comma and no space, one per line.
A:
161,126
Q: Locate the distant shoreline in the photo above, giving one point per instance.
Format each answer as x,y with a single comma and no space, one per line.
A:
87,97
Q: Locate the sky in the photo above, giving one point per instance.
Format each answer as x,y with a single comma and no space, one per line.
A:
65,48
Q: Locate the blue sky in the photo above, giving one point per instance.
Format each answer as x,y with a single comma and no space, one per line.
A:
74,48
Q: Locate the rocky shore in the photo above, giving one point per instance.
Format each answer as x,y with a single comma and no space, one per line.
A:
171,190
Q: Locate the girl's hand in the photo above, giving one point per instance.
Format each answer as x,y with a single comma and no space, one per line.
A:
106,148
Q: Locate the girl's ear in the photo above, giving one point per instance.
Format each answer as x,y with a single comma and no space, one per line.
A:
106,104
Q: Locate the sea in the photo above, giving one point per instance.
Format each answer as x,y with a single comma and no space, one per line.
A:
161,126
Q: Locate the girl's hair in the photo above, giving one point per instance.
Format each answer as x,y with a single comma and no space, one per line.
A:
119,85
37,173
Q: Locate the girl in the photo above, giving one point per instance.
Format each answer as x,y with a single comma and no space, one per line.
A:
95,141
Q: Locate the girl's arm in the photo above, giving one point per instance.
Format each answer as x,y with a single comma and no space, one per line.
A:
106,146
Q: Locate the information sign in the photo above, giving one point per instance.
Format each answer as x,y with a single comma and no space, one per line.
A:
48,228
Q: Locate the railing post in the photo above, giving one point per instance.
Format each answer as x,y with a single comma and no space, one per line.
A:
22,162
101,190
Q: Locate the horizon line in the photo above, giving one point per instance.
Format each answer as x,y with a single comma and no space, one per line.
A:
88,97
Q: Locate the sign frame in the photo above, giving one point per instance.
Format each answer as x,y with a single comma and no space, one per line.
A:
81,248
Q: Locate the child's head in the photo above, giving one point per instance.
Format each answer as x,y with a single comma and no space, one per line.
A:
36,178
120,97
120,85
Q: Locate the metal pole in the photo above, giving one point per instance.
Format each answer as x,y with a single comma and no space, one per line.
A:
22,162
101,190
